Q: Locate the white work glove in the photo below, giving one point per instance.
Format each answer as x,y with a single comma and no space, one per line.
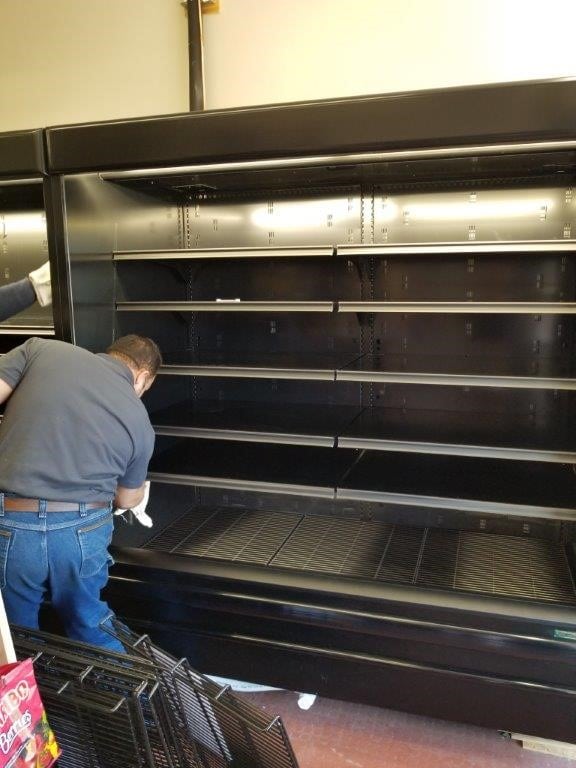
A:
40,279
139,510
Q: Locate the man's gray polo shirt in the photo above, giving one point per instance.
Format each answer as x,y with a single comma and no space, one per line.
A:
74,427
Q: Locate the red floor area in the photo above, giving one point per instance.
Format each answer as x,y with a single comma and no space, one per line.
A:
334,734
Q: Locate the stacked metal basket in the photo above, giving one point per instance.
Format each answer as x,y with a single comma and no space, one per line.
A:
146,709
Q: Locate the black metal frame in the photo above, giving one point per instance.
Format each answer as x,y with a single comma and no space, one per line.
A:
484,114
22,154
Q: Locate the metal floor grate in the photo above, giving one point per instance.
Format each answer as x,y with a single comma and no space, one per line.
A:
146,709
248,536
486,563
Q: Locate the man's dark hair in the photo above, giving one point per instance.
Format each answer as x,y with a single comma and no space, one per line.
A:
138,351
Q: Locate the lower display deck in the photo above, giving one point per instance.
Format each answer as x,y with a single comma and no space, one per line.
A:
346,600
468,561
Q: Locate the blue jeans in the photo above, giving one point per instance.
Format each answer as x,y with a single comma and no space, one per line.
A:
64,554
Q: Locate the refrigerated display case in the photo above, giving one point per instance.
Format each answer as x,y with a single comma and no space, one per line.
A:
363,480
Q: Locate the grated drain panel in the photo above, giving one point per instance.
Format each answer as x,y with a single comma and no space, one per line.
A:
467,561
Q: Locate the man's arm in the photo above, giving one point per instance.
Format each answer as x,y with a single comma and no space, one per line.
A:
15,297
5,391
126,498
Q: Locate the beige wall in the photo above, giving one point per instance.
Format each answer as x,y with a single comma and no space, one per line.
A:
67,61
263,51
75,60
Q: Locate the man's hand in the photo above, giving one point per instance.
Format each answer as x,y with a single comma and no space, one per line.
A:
5,391
138,509
40,279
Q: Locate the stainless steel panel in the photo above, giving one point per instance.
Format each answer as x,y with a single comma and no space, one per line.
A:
277,222
103,217
24,247
474,214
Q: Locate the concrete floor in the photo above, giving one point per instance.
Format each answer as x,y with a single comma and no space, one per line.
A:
335,734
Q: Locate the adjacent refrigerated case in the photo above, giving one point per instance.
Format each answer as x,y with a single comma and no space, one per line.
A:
363,479
23,228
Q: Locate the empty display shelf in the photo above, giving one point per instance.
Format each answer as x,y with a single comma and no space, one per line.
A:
224,253
461,307
514,435
307,366
256,422
510,372
486,486
453,248
26,330
267,468
225,305
465,561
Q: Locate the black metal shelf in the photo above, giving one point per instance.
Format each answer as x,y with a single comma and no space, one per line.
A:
225,305
288,469
461,433
470,485
460,561
509,372
191,254
455,248
390,307
27,330
461,307
451,433
485,486
307,366
297,424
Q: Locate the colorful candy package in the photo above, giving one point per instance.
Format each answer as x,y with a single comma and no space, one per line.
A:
26,739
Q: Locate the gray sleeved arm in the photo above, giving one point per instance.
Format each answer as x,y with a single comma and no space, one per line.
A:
13,363
15,297
138,467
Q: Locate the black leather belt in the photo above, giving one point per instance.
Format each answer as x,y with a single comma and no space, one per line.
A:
18,504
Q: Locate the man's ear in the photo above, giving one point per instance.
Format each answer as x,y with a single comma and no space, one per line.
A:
142,381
